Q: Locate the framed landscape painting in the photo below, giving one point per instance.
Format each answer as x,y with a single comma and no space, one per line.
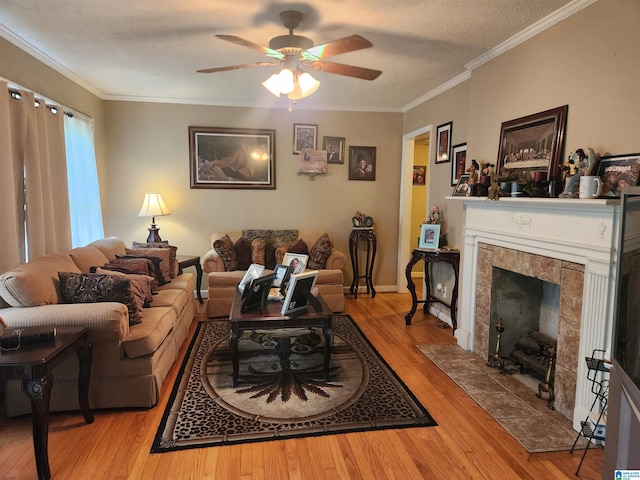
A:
232,158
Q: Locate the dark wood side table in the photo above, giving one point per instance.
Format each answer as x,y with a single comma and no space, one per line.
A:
33,365
367,235
185,261
271,318
452,257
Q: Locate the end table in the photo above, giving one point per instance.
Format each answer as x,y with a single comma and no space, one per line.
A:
185,261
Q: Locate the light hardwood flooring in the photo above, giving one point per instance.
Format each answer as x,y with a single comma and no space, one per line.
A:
466,444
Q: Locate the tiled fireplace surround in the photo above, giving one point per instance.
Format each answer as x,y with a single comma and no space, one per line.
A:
566,242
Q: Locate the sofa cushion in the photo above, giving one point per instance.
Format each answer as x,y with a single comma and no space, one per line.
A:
146,337
173,252
224,247
320,252
243,253
110,246
36,282
87,257
274,237
164,254
257,250
94,288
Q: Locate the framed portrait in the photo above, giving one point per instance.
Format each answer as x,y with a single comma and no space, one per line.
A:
462,188
305,137
362,163
232,158
532,144
459,162
617,172
296,262
335,149
419,174
443,145
429,236
256,292
254,271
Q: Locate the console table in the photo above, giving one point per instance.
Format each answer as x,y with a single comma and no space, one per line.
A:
452,257
358,235
185,261
33,364
271,318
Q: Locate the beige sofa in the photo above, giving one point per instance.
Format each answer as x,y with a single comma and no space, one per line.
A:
222,284
130,363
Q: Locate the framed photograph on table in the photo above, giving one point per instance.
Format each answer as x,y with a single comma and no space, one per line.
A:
532,144
429,236
300,293
232,158
443,145
335,149
617,172
305,137
459,162
256,292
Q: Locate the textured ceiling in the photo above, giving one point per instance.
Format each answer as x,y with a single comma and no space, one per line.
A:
151,49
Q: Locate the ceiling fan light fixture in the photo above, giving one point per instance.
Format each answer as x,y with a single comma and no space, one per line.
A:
273,84
307,83
286,80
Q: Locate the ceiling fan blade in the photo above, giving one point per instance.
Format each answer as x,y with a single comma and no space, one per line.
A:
236,67
254,46
342,45
347,70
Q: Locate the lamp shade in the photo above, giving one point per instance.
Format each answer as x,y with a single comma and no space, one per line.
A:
153,206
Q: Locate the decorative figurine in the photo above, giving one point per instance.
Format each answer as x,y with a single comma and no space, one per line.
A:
434,217
473,172
577,165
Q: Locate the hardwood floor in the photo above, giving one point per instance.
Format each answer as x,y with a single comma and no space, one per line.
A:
467,443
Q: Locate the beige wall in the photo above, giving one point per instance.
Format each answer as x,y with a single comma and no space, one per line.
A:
148,150
588,61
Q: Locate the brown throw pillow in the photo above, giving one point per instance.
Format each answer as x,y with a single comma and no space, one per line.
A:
269,256
94,288
138,266
299,247
243,253
257,250
320,252
173,251
141,283
156,261
162,253
224,247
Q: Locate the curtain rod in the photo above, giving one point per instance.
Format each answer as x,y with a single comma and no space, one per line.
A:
67,110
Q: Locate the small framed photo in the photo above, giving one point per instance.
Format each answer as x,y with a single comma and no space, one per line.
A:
299,292
443,137
296,262
459,163
253,272
256,292
617,172
462,187
280,271
305,137
429,236
335,149
419,173
362,163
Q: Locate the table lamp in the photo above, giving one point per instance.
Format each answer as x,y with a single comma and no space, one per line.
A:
153,206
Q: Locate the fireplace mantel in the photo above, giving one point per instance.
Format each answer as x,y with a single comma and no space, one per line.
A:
573,230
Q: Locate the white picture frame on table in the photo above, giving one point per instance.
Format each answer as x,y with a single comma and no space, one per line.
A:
254,271
299,290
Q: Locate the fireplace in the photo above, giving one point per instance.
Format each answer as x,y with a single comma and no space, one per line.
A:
563,242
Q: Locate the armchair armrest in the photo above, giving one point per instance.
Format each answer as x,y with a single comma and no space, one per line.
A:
211,262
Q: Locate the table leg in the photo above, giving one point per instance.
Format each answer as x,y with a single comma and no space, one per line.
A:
353,250
454,299
328,348
39,393
412,288
234,339
374,246
199,277
85,355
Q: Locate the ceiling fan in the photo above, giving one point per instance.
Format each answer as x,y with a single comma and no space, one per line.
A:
296,51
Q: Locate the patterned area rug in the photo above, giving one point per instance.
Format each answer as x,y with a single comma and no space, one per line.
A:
507,398
281,391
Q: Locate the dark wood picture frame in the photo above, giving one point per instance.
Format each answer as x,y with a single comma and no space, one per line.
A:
443,142
232,158
366,171
339,143
305,137
532,144
614,169
458,162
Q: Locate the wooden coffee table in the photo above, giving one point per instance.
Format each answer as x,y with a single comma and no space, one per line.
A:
33,365
272,319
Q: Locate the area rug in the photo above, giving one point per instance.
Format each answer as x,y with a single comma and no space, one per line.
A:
509,399
282,391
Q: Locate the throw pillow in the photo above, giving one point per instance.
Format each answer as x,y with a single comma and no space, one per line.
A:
224,247
157,271
320,252
141,283
139,266
243,253
299,247
269,256
94,288
257,250
173,251
162,253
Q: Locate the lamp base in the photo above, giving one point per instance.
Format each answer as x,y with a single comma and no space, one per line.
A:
154,236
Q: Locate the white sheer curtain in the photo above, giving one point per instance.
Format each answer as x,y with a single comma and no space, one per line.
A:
35,205
82,175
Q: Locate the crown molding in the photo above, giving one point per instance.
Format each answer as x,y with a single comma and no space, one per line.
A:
438,90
